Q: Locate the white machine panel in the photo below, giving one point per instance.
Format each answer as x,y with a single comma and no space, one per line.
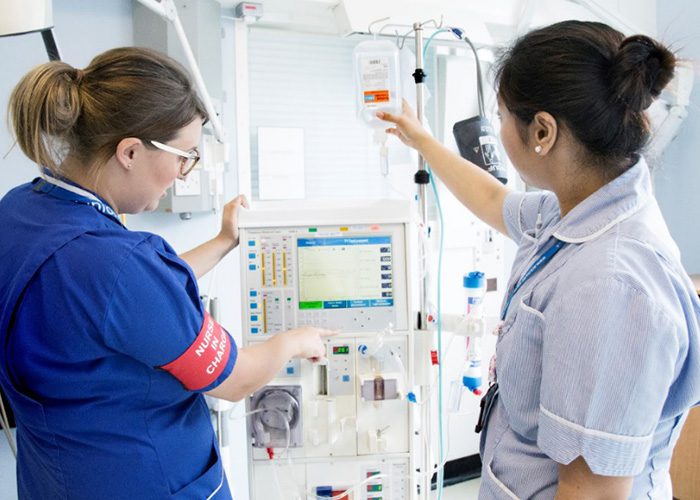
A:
324,429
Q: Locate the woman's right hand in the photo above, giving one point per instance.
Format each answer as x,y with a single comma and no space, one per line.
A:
308,342
408,128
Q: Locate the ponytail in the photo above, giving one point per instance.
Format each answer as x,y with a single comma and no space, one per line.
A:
44,108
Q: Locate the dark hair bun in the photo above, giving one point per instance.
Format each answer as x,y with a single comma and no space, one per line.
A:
640,70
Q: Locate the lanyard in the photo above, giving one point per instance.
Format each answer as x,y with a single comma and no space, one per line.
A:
536,266
65,191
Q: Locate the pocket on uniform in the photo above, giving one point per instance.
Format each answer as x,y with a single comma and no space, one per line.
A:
519,368
492,486
210,482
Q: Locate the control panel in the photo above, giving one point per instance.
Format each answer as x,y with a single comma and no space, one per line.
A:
349,278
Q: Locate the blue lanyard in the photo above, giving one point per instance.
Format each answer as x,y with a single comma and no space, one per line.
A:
536,266
71,192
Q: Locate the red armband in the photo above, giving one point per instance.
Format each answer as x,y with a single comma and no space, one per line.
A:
203,362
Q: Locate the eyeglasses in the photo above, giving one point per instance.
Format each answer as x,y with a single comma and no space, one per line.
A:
188,160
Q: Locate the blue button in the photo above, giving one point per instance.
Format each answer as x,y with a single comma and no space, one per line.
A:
251,243
254,330
253,293
254,317
290,370
251,267
253,305
251,255
346,378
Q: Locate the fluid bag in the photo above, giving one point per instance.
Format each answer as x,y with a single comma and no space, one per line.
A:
378,80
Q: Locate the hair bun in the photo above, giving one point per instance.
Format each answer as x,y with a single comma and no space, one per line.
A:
640,70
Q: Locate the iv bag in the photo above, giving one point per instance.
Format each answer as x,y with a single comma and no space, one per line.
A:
377,78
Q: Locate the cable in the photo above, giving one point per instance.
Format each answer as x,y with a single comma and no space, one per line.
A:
459,33
479,84
440,478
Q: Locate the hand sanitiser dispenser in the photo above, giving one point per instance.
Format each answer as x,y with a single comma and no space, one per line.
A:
378,83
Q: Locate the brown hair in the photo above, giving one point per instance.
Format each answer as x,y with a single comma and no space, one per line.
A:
57,110
591,78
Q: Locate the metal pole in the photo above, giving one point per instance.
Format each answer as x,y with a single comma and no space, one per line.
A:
422,177
50,45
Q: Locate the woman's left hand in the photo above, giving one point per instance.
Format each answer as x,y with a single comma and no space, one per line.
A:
229,222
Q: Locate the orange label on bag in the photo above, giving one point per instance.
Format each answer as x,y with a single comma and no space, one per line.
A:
372,96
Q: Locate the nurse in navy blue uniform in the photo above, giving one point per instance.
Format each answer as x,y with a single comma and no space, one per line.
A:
598,352
105,347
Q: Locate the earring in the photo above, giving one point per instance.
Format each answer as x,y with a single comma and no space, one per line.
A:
538,149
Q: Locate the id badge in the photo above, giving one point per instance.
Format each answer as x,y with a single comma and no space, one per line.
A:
487,403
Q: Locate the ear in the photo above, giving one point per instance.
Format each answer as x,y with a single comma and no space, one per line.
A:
127,151
543,132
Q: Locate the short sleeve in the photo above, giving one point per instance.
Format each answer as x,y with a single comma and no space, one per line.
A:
520,211
609,358
156,317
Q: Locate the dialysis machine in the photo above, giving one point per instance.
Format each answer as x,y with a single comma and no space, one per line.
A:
343,429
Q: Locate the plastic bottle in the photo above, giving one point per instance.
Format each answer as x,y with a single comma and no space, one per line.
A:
474,285
474,290
471,375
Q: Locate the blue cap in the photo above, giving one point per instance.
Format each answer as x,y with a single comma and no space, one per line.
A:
474,279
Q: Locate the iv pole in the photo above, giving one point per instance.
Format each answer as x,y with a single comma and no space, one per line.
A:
422,177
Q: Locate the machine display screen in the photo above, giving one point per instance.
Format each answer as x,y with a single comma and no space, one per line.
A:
339,273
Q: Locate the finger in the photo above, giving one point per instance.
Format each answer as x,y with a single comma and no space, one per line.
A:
328,333
383,115
244,201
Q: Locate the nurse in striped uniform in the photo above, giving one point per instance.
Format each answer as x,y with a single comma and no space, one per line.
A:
598,355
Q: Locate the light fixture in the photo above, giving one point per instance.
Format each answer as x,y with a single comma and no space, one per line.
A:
29,16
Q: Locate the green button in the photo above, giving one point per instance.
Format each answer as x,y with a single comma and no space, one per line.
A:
311,305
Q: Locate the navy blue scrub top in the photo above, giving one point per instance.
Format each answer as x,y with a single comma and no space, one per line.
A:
104,350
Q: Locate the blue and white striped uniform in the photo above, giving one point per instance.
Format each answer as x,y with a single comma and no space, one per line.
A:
599,352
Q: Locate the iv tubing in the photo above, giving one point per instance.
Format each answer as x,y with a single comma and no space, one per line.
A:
441,431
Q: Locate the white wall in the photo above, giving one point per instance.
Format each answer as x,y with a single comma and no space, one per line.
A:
677,179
